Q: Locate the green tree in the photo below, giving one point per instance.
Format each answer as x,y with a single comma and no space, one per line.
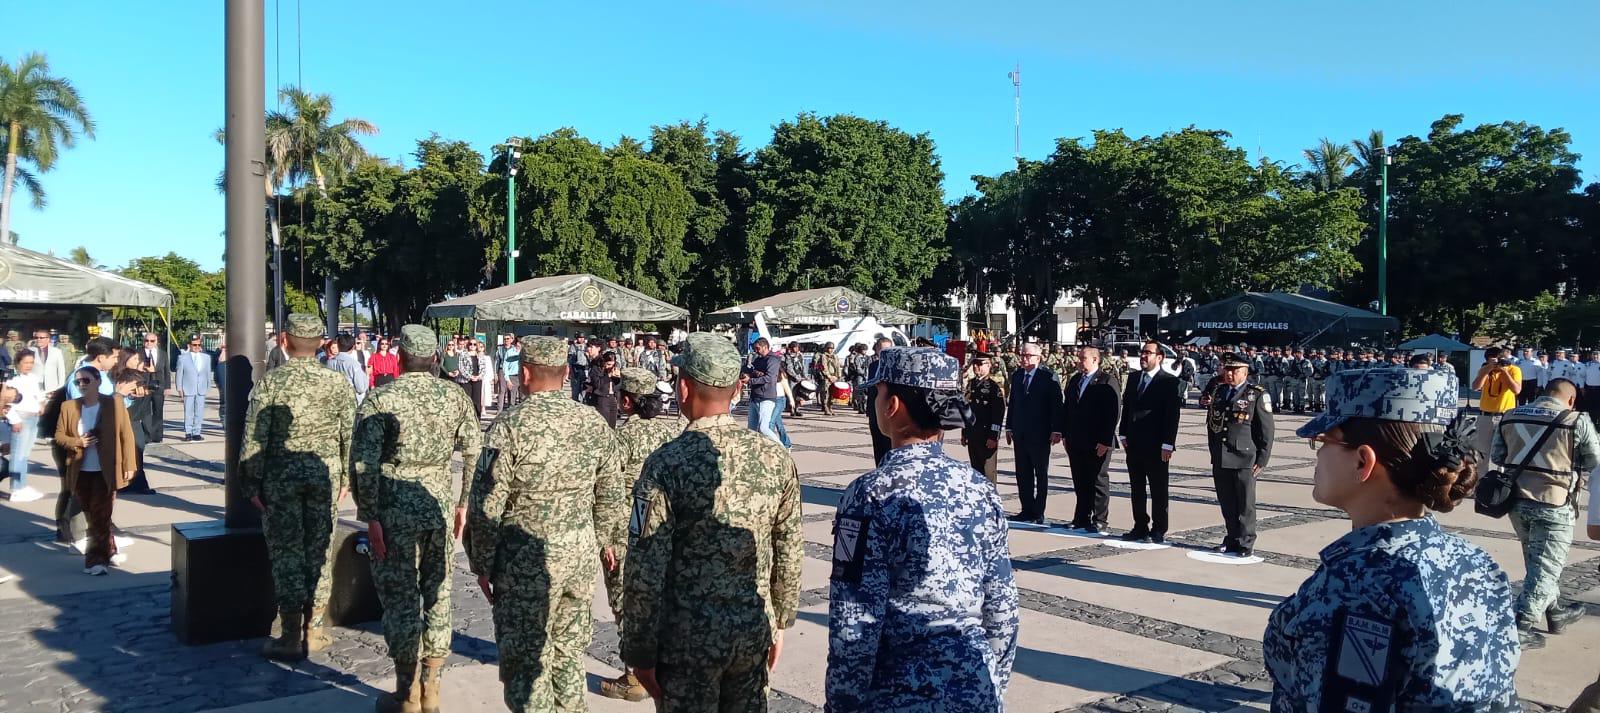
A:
643,214
80,256
851,202
1329,164
39,111
715,170
560,180
199,297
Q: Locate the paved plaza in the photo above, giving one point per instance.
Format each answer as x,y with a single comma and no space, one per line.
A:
1103,628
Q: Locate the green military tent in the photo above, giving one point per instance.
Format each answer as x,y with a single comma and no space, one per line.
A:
823,306
580,299
29,279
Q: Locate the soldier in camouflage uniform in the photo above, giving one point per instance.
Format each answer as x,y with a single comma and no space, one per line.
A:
546,496
406,432
296,448
1116,369
713,571
1400,615
922,609
1296,380
826,370
647,429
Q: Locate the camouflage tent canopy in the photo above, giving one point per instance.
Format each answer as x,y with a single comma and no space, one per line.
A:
823,306
559,298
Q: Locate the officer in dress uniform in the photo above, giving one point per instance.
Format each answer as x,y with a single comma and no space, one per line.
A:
1239,432
984,395
922,607
1400,615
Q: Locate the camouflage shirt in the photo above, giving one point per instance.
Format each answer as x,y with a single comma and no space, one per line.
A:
298,426
922,609
640,437
714,568
406,432
550,467
1418,620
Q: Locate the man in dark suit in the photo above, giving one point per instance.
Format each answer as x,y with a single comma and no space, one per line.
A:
1032,428
1150,405
1089,431
1239,432
158,370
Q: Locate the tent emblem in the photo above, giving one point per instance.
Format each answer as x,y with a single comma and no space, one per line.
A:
842,306
1247,311
590,296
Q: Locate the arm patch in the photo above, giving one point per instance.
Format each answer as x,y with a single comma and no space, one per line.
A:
484,470
1363,665
849,548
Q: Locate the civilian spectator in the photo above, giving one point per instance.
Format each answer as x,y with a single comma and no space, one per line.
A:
509,356
23,425
342,358
384,366
98,437
194,380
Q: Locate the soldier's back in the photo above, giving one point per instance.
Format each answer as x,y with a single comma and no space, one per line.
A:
409,429
302,417
552,448
640,437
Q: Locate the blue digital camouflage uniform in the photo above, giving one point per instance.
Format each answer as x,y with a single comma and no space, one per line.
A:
1400,615
922,606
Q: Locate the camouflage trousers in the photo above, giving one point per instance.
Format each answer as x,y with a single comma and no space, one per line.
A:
1274,387
298,526
737,685
614,585
1295,392
543,621
413,583
1318,393
1546,534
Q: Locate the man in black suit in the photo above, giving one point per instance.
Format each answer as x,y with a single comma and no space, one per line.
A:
1032,417
158,369
1150,405
1089,430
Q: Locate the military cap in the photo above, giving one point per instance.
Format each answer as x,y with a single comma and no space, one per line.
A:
708,359
922,367
638,381
1388,394
305,326
981,355
1233,359
544,351
418,340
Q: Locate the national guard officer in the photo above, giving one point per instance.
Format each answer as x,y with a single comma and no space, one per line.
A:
1321,369
647,429
1239,432
713,571
546,496
922,609
984,395
1272,374
406,432
1296,379
297,445
1400,615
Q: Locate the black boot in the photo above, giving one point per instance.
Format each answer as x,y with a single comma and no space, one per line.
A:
1557,617
1527,637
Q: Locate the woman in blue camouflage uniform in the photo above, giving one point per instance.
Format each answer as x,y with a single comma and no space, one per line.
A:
1401,615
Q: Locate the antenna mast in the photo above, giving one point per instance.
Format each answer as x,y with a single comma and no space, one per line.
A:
1016,134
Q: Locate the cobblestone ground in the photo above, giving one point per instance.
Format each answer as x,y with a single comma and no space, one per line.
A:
1104,629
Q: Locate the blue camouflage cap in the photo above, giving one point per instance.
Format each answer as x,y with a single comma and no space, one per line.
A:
1387,394
922,367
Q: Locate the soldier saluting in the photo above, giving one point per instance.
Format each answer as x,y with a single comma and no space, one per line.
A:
1239,432
988,403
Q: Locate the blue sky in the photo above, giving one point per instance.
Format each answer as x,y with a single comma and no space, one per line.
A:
1278,75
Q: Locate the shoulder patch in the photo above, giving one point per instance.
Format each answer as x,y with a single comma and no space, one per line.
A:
1363,664
1266,402
849,548
641,513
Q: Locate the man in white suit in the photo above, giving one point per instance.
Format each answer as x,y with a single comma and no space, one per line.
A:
194,380
52,366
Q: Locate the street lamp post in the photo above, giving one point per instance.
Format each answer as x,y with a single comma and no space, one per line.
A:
513,154
1384,159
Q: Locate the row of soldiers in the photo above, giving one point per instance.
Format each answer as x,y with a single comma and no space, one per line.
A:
703,577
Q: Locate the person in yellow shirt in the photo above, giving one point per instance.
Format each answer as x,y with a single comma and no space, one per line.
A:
1499,380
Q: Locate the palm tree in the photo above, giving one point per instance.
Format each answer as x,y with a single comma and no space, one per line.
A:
1367,151
80,256
38,111
1329,163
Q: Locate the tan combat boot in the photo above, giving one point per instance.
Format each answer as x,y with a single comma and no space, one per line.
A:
406,698
624,687
431,668
290,644
317,636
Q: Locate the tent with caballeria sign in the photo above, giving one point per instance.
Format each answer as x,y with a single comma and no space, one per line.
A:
1279,318
560,299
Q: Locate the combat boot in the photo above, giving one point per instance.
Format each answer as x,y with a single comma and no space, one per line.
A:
1557,617
317,636
290,645
406,698
1527,637
431,668
624,687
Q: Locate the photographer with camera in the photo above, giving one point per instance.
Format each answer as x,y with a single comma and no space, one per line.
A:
1499,381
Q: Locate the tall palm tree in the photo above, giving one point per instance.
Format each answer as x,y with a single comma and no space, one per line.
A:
1367,151
38,112
1329,163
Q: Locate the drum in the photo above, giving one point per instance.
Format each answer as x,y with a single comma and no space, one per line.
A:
840,392
805,389
665,387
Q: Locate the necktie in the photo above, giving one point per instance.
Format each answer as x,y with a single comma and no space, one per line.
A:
1143,383
1083,384
1027,380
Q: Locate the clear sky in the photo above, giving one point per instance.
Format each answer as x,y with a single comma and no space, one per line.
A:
1278,75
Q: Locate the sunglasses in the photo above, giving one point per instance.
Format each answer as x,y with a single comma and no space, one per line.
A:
83,382
1317,442
149,341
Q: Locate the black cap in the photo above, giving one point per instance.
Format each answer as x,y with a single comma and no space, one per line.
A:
1233,359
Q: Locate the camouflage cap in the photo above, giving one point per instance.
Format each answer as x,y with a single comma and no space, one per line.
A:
544,351
922,367
417,340
709,359
638,381
1388,393
305,326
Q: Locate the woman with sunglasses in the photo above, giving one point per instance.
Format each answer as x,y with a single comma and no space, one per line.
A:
383,366
97,435
1400,615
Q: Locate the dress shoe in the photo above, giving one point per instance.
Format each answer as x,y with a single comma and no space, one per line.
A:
1019,517
1158,539
1557,617
1135,536
1038,521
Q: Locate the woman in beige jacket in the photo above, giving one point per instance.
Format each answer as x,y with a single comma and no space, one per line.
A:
101,459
